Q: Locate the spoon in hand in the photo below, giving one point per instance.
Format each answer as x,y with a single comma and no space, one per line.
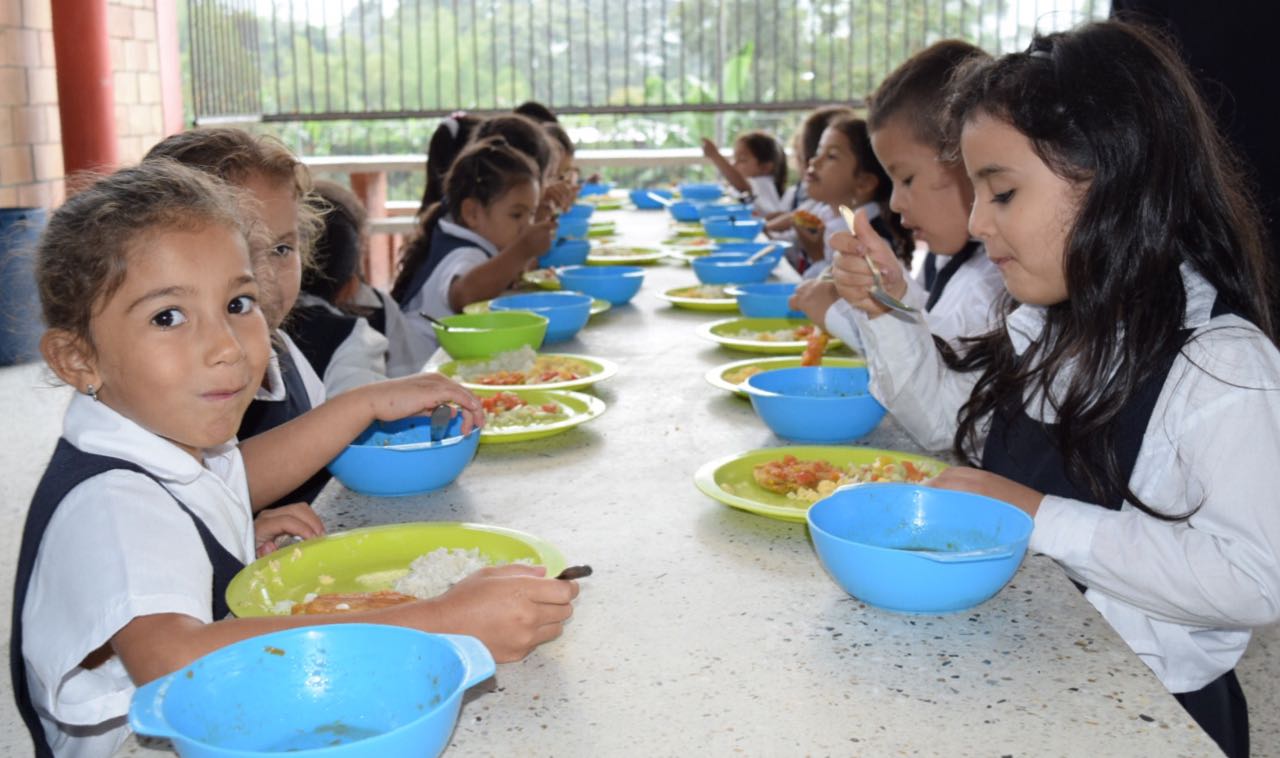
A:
880,294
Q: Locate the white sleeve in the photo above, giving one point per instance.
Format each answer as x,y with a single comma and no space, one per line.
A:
118,547
766,195
909,377
841,323
968,306
361,359
1212,446
435,293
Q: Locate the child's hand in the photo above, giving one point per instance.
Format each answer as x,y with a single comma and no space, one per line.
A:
979,482
780,222
296,520
851,273
536,240
814,297
418,395
709,149
557,197
810,241
511,609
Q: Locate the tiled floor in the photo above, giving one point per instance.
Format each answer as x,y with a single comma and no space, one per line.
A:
30,413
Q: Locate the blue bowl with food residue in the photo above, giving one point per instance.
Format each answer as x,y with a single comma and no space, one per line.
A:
590,189
703,192
617,284
733,228
572,228
720,210
740,246
684,210
916,549
578,210
566,253
337,690
732,268
395,458
815,404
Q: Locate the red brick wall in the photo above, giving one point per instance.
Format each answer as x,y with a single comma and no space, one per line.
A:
31,172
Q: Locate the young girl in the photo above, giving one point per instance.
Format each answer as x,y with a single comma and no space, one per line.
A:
845,171
143,515
478,240
759,170
281,187
805,146
1128,400
933,196
447,143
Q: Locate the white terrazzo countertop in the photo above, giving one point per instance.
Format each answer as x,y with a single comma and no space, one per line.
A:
713,631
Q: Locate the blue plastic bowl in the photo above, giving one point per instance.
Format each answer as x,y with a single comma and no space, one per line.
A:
767,300
913,549
566,312
717,210
566,253
369,467
640,198
737,229
703,192
684,210
573,228
752,247
578,210
617,284
595,188
334,690
815,404
732,268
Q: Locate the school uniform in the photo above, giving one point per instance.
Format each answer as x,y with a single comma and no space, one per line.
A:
291,389
1183,595
343,349
764,196
454,251
123,524
404,356
960,301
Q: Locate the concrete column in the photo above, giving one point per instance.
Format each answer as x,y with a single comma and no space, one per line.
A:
86,93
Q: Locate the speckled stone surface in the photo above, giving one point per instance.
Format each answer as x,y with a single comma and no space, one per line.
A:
713,631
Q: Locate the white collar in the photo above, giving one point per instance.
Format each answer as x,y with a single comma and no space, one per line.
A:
95,428
449,226
273,388
1026,323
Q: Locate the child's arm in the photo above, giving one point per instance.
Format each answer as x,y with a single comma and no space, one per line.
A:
731,175
511,609
493,276
279,460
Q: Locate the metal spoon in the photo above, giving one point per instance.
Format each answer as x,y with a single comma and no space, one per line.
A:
440,418
880,294
448,328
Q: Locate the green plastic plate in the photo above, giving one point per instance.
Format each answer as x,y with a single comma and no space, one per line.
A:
724,332
580,408
719,376
601,369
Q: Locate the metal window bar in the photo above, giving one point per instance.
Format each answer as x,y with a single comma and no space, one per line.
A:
348,59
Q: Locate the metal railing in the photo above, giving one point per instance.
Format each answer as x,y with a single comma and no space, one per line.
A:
318,60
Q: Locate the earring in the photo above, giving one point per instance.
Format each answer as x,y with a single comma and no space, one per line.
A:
91,391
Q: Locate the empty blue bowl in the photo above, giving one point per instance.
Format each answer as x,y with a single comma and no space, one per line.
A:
579,210
595,188
700,191
566,253
617,284
336,690
738,229
715,210
640,198
766,300
370,467
732,268
815,404
684,210
573,228
914,549
739,246
566,312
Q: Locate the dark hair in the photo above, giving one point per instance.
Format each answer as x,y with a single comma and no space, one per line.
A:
815,124
339,246
561,137
448,140
916,90
766,148
1112,108
484,172
536,111
855,131
83,253
235,156
522,133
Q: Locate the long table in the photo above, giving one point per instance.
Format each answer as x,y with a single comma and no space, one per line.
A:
708,630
